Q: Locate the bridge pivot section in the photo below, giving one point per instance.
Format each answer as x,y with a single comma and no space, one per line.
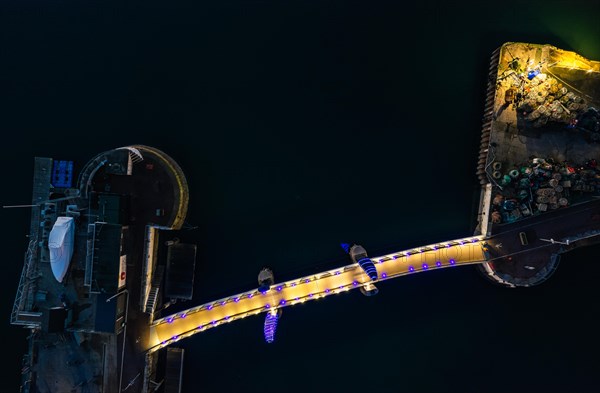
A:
359,255
266,279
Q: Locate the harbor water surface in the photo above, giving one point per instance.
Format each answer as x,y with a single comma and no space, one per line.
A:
301,126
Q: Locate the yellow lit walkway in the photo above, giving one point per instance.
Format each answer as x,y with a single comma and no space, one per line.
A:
173,328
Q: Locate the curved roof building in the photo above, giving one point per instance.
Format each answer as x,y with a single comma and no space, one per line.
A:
60,242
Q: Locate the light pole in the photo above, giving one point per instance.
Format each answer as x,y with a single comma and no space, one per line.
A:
125,291
556,241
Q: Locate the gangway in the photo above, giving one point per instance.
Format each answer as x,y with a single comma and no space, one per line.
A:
172,328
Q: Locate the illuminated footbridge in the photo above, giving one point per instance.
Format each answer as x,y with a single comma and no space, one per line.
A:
170,329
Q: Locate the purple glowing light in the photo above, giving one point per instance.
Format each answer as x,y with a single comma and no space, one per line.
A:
310,295
341,287
279,288
226,317
394,257
236,299
270,327
293,284
169,320
425,266
200,327
452,262
337,273
438,264
327,290
223,303
411,269
214,322
383,275
307,281
174,337
250,295
209,307
183,315
267,305
282,302
355,283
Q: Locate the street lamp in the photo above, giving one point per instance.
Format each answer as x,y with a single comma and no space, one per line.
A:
125,291
555,241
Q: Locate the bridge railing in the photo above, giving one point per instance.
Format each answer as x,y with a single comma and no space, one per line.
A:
167,330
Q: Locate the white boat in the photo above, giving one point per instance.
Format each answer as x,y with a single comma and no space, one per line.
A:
61,243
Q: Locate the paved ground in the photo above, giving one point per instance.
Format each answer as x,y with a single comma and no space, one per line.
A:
516,140
511,257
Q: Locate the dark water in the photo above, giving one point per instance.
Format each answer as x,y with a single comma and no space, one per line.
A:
301,125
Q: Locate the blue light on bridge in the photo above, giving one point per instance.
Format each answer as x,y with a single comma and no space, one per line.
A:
346,247
383,275
282,302
271,326
438,264
169,320
367,265
355,283
327,290
425,266
452,262
250,295
209,307
310,295
411,269
183,315
236,299
267,305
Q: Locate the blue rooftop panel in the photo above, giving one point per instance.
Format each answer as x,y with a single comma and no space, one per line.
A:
62,174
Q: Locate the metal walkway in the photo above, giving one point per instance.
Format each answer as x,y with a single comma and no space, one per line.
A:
170,329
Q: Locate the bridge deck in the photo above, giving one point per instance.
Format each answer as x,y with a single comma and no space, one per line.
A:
173,328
